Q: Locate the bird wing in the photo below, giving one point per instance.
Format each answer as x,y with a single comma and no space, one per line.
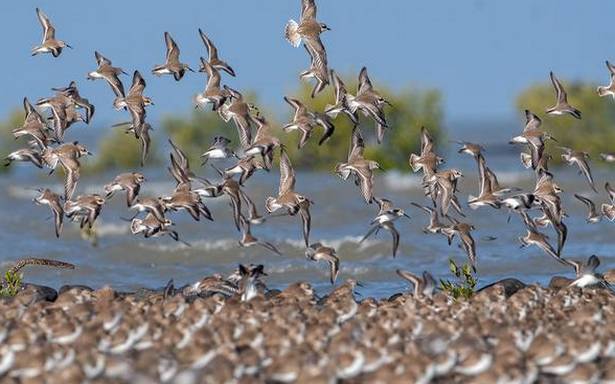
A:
212,51
172,48
559,89
287,174
365,83
49,31
308,9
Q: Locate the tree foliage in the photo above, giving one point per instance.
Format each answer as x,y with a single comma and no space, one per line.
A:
121,150
594,133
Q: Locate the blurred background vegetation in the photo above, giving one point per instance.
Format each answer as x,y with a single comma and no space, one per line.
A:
594,133
8,143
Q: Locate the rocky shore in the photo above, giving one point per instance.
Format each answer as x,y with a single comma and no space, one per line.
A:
507,332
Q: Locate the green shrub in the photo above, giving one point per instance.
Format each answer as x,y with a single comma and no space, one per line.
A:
465,284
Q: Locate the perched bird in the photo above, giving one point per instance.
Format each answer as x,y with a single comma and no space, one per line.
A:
318,252
581,160
129,182
608,90
248,240
358,166
109,73
561,105
53,200
592,215
586,275
212,53
423,286
172,65
288,199
49,43
305,121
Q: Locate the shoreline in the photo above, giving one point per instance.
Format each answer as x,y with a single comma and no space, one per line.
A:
506,331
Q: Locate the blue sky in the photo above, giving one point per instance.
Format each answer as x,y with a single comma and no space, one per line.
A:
480,54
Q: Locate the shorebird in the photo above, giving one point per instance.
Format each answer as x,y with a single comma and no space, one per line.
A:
592,216
561,105
288,199
319,69
305,121
109,73
190,201
341,100
467,241
72,92
434,226
59,114
129,182
212,53
34,125
423,286
608,90
150,226
240,111
229,187
358,166
213,93
219,149
427,160
25,154
534,138
586,275
67,155
581,160
85,208
385,218
308,28
249,280
248,240
49,43
443,185
53,200
21,263
540,240
264,142
367,100
245,167
172,65
609,157
180,167
610,191
318,252
152,205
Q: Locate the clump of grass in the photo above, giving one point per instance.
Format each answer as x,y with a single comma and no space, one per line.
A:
11,284
465,283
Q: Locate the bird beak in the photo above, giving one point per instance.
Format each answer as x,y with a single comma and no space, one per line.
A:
90,153
408,216
360,284
190,69
68,46
388,103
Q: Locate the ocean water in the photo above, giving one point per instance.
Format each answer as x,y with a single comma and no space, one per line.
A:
339,218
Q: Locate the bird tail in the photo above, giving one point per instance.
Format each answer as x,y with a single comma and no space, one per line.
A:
291,33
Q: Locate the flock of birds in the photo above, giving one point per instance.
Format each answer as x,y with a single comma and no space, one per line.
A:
48,149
